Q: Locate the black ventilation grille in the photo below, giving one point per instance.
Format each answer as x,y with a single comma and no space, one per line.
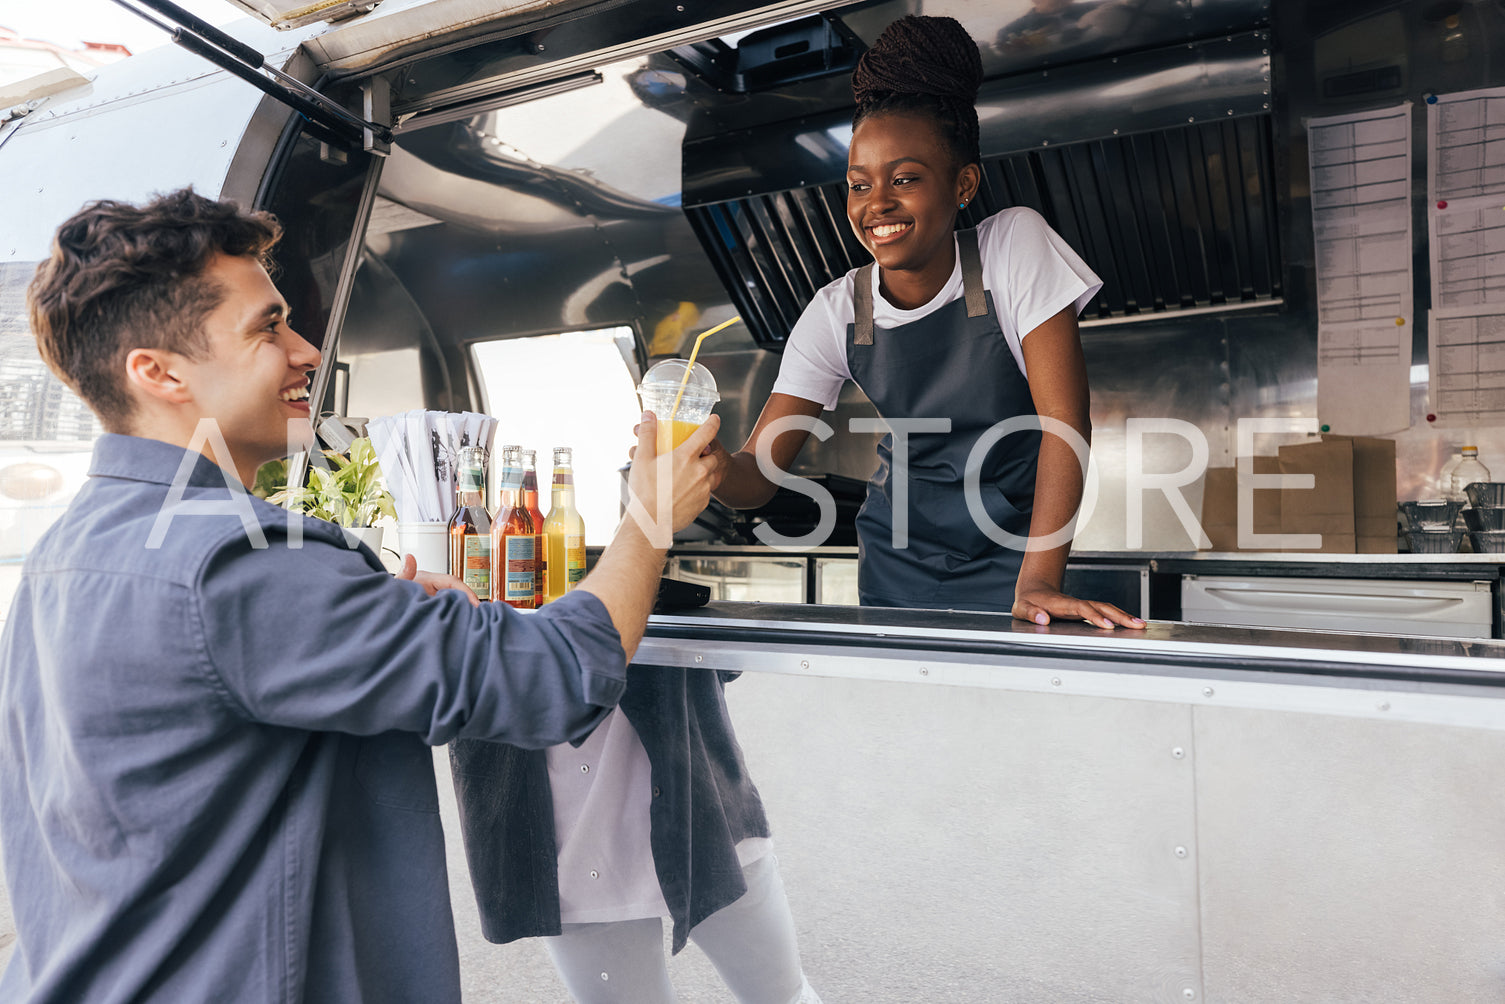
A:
1178,219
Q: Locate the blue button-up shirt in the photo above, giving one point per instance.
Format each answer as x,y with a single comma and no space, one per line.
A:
215,780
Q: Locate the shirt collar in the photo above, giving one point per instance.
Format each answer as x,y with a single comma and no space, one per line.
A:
134,458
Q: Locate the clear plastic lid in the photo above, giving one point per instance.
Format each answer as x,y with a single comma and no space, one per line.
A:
671,372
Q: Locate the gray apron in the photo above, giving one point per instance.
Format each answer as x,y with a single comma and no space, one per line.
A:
954,363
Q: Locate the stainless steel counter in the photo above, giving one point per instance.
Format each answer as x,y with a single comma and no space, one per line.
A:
1066,813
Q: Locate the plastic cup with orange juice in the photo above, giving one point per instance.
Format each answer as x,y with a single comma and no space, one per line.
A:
681,396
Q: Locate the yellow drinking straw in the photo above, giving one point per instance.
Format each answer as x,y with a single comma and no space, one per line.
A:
691,365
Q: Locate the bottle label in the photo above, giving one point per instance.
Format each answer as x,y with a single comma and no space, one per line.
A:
476,571
574,559
471,479
521,557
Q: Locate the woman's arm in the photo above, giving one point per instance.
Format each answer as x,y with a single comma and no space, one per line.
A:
1058,383
743,486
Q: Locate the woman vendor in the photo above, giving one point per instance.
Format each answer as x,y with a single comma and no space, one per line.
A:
977,327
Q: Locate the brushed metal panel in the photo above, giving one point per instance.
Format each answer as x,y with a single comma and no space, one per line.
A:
1346,860
1154,370
977,846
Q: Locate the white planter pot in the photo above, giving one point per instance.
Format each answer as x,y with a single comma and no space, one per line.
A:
368,535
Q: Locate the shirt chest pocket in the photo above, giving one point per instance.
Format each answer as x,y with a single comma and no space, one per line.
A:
396,770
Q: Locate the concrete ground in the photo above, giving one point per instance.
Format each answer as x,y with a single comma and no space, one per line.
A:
884,801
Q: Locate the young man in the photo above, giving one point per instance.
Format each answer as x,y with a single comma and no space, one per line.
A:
215,781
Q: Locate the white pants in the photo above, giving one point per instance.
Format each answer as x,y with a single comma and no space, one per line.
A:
750,942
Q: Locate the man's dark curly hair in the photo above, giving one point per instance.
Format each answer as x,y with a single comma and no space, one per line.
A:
123,277
927,66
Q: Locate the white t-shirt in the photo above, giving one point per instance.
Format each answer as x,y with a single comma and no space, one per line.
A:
1032,273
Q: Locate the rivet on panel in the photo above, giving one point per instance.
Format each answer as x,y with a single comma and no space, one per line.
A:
1178,753
804,664
924,670
1206,691
1055,681
1384,705
1189,994
700,658
1180,852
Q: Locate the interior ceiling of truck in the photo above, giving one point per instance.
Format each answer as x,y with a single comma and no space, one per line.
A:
711,171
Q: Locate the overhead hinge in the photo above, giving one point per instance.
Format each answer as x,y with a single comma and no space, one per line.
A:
329,121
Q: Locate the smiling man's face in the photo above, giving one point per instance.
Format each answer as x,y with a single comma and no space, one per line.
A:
254,379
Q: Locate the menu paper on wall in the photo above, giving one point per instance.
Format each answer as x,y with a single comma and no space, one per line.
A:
1466,145
1364,377
1361,222
1468,253
1466,346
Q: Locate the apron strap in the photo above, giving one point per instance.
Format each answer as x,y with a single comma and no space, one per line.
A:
977,298
862,306
972,289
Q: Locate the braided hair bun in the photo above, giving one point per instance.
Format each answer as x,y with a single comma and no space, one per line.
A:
927,66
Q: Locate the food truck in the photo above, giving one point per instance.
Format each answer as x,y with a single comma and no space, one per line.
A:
1283,788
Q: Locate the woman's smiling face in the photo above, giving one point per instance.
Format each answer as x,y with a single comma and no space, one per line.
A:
903,187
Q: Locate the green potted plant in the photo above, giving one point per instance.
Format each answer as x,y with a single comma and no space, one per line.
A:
348,492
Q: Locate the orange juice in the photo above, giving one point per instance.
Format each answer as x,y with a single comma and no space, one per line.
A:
672,434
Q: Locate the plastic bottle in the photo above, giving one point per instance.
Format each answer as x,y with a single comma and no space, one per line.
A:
1466,473
1445,479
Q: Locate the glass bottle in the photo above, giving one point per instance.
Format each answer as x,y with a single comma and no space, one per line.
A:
530,503
1466,473
470,529
514,539
564,530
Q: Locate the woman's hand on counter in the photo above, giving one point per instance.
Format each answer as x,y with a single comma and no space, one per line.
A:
1040,604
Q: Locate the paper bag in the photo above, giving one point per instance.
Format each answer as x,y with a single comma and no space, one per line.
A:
1220,505
1352,501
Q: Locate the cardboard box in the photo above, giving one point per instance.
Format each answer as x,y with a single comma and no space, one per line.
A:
1351,503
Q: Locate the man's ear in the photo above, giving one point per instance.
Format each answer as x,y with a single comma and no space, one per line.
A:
155,372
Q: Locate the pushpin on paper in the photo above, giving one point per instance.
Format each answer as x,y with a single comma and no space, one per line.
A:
1400,322
1442,203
